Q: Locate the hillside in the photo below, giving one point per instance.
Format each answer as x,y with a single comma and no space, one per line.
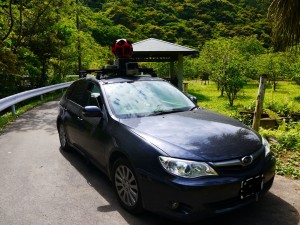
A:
186,22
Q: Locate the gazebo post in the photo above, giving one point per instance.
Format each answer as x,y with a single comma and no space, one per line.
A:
180,71
172,71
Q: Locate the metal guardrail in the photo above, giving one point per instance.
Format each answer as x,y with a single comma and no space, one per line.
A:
10,101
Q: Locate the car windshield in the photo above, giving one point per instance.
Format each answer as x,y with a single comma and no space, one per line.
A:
145,98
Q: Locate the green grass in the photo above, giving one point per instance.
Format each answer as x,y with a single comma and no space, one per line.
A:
285,101
285,98
8,117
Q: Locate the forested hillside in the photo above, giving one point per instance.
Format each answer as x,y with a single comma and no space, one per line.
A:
189,22
42,41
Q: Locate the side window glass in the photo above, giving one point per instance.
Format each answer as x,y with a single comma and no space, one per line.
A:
69,91
79,93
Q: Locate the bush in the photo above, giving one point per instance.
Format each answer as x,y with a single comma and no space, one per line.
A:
297,79
285,144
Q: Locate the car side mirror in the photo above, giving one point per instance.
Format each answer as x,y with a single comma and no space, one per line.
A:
92,111
193,98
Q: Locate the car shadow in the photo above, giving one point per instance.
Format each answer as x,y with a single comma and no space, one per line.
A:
270,209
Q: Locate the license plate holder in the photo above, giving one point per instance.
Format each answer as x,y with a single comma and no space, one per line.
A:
252,186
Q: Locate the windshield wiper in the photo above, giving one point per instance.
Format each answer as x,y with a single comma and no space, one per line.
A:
195,107
162,112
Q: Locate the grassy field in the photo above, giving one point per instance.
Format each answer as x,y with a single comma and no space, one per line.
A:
282,103
286,98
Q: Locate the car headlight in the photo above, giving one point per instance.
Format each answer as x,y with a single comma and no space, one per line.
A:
267,146
186,168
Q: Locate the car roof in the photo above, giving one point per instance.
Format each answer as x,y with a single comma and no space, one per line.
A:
121,79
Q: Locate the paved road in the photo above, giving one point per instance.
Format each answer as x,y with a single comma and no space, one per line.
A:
40,185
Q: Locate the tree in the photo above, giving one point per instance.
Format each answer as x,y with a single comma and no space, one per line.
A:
234,81
223,61
9,79
7,60
11,20
216,56
285,20
276,65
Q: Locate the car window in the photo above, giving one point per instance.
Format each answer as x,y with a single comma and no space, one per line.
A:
145,98
77,93
85,93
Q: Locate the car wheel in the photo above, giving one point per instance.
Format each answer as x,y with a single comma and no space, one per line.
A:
63,138
126,186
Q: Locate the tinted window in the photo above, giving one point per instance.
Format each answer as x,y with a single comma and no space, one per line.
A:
79,93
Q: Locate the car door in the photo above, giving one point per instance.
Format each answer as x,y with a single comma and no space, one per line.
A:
73,120
94,137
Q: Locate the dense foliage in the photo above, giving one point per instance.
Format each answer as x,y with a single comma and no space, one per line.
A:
285,144
42,41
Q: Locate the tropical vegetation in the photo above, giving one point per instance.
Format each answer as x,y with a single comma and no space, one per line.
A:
43,41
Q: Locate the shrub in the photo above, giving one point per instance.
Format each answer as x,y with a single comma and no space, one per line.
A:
285,144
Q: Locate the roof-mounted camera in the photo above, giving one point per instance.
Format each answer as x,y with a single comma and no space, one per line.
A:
124,64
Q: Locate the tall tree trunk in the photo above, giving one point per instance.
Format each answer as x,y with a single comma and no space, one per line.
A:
274,85
43,78
78,41
11,22
20,23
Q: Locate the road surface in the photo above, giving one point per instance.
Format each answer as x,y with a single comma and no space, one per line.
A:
40,184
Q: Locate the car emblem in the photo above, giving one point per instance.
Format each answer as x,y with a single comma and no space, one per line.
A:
247,160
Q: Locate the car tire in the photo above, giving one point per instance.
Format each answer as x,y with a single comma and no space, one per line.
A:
63,139
126,186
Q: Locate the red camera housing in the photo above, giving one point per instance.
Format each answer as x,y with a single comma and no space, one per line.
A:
122,48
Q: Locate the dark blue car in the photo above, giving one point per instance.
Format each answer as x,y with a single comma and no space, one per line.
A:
161,151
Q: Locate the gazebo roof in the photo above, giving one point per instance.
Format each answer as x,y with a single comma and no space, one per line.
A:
155,50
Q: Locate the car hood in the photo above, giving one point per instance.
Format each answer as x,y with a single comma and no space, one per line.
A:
199,135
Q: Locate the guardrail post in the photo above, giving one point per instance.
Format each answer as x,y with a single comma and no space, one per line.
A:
185,87
42,97
13,109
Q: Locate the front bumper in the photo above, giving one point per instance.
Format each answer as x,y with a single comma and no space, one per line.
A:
191,199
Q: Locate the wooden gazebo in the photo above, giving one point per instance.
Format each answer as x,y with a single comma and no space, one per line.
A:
154,50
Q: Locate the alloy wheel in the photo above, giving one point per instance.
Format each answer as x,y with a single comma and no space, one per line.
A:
126,185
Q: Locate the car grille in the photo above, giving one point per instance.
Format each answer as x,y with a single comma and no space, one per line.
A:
235,167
